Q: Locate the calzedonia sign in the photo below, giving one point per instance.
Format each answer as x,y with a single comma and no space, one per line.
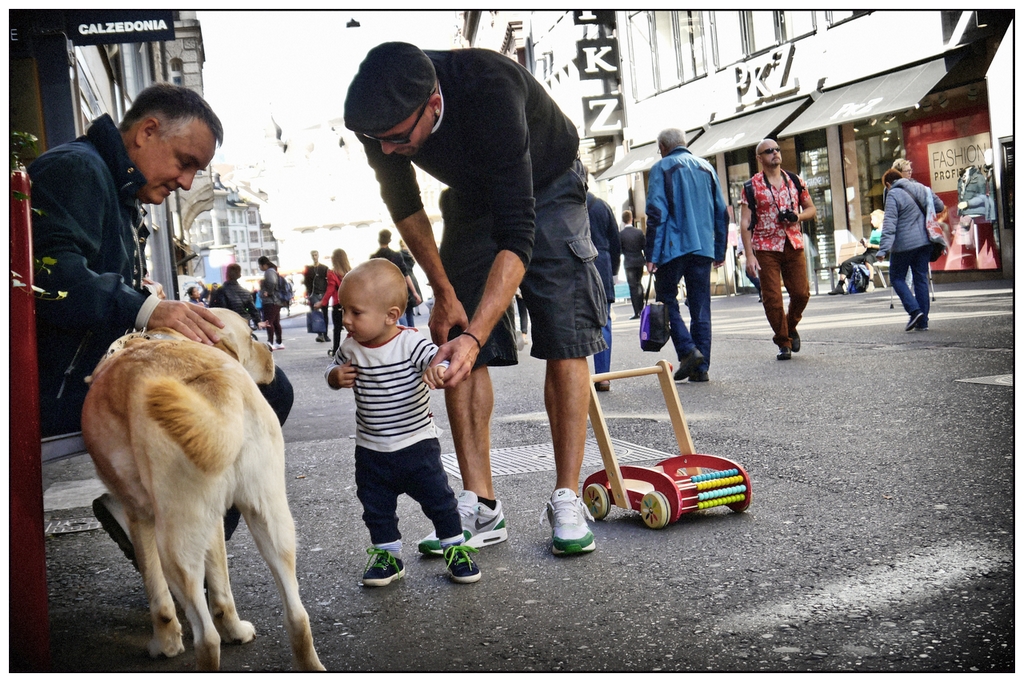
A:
105,27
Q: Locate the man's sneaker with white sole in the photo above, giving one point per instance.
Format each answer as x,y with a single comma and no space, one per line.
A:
481,525
568,518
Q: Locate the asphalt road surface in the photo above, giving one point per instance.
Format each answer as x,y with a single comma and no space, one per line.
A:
880,536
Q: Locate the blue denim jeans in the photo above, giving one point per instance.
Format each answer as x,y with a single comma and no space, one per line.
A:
916,261
695,272
603,360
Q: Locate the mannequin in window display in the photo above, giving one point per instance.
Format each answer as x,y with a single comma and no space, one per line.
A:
974,193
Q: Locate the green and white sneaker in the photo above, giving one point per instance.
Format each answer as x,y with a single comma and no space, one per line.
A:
568,518
461,567
481,526
382,568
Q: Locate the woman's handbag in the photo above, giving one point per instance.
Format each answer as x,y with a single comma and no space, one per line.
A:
315,322
936,234
654,326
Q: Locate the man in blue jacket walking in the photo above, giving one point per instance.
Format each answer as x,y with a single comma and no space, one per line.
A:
687,228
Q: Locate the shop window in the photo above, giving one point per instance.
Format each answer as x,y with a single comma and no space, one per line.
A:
1006,186
739,167
813,153
869,149
666,50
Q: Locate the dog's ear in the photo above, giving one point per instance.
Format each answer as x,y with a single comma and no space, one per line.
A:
227,345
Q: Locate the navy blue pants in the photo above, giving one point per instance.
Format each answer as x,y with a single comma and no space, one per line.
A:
416,471
695,271
916,261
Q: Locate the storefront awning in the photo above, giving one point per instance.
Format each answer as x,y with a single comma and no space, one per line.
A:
744,131
636,160
873,97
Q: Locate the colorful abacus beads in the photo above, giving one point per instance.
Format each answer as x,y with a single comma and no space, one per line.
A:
713,474
719,482
718,501
721,492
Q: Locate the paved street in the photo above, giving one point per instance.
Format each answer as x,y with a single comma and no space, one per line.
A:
880,537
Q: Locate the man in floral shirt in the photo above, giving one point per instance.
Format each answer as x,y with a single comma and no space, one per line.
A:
774,243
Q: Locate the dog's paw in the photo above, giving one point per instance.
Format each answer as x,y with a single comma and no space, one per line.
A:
169,646
241,632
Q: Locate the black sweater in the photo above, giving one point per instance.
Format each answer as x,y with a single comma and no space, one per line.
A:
501,136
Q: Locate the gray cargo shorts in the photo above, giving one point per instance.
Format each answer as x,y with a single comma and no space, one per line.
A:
562,288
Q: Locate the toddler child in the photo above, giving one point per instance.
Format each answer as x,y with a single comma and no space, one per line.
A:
397,450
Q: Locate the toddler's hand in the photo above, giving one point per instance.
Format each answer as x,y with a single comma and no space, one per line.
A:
434,376
343,376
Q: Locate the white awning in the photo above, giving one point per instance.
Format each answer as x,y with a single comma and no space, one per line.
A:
636,160
746,130
873,97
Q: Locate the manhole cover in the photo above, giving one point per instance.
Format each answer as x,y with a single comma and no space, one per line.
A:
532,458
71,526
998,380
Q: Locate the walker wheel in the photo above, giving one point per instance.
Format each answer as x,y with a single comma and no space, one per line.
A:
596,498
655,510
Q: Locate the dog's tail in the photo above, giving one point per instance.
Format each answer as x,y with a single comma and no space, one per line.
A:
201,417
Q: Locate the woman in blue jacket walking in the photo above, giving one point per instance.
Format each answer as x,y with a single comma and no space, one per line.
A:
905,238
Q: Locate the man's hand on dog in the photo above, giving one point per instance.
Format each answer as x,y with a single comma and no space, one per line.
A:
194,321
342,376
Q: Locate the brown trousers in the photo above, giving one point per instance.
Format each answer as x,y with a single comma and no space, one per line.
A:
777,268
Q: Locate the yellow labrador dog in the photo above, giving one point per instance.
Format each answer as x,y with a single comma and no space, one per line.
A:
179,432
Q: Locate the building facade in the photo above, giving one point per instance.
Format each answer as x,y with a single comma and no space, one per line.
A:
232,231
845,93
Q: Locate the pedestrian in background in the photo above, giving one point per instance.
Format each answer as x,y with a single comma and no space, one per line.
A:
905,240
397,451
232,296
335,274
867,258
415,297
774,203
633,241
604,232
314,278
385,251
271,302
195,295
514,215
687,232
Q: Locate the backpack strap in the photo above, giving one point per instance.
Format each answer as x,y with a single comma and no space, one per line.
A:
748,192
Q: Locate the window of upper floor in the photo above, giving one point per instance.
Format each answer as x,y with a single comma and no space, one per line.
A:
666,50
740,35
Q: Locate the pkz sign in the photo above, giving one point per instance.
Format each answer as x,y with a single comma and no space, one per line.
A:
768,78
598,59
105,27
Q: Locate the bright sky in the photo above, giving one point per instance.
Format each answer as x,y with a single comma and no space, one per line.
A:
296,65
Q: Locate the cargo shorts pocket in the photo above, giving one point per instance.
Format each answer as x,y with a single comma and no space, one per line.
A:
590,308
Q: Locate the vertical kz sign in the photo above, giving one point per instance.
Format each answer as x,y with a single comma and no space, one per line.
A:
598,59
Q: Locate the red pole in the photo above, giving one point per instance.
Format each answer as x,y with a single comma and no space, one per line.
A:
29,611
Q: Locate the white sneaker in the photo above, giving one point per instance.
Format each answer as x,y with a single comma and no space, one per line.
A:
480,525
568,518
277,346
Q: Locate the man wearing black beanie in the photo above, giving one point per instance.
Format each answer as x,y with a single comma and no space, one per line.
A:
514,217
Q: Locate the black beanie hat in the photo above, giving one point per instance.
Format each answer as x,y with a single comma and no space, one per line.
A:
394,80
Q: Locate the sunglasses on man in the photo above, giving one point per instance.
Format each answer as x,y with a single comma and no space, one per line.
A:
407,137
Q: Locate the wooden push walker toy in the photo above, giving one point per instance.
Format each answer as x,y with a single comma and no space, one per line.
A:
674,486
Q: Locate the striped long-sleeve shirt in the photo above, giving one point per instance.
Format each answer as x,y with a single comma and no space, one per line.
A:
392,402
